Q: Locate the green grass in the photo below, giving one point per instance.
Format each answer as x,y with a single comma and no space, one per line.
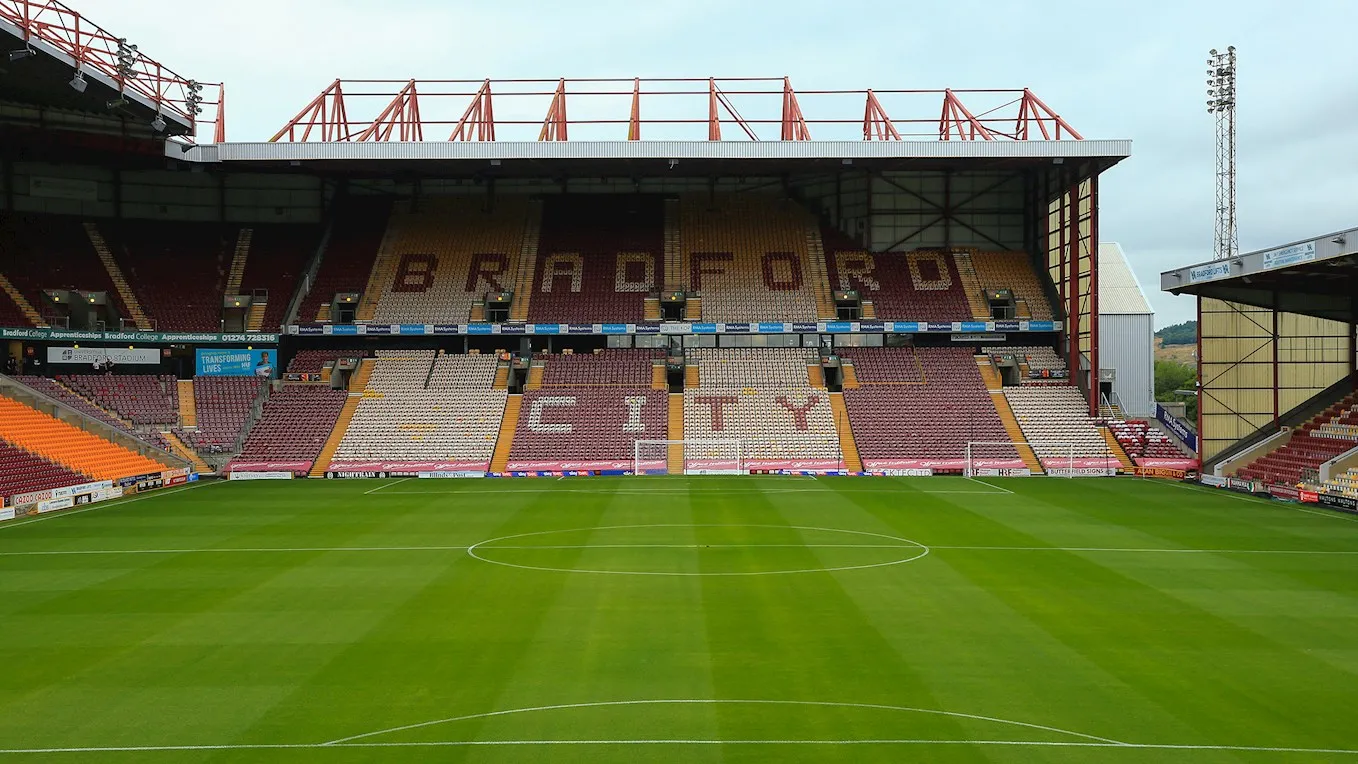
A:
248,615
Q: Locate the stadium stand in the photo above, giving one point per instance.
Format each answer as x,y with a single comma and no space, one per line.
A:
588,412
291,431
68,397
746,257
222,406
1141,441
438,259
1345,484
142,399
51,252
923,285
313,361
23,472
918,409
1014,271
1056,423
1319,440
68,446
176,270
355,236
424,412
278,255
763,398
599,256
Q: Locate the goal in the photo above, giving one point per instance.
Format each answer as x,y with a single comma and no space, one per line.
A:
1058,458
687,457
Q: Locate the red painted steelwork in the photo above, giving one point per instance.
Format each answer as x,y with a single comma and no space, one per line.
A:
97,50
407,106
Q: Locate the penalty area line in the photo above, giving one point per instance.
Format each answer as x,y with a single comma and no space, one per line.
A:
387,485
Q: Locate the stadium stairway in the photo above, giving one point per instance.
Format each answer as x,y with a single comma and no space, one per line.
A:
650,307
501,381
819,274
528,264
659,376
690,377
869,309
850,377
847,446
693,309
815,375
254,319
181,449
989,373
675,457
536,370
1115,448
238,258
115,274
675,276
20,301
504,442
188,405
357,383
1011,426
972,286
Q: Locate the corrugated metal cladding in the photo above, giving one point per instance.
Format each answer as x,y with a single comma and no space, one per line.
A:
1127,345
547,150
1126,332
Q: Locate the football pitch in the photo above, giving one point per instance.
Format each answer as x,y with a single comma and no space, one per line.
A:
706,619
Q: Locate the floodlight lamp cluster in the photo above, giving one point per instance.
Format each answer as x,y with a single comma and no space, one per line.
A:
1221,80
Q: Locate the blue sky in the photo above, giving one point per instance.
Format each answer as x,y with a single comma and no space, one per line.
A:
1124,70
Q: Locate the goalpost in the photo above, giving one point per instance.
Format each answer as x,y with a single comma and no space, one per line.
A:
702,456
1058,459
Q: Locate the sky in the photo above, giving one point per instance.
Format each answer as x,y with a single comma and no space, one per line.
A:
1132,70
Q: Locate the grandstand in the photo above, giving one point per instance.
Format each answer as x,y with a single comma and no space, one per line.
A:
497,305
1278,332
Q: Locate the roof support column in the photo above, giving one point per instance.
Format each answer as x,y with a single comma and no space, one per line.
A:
1072,291
1095,377
1277,414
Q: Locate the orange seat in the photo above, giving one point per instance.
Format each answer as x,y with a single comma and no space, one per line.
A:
68,445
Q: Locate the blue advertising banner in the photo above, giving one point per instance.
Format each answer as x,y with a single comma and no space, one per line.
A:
236,362
703,328
416,329
445,329
546,328
378,329
513,329
737,328
613,329
838,327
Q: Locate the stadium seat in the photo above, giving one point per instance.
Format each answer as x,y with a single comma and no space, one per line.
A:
599,255
922,404
23,472
418,408
313,361
1327,435
69,446
763,398
177,270
294,426
1014,271
589,412
1056,422
347,261
746,256
52,252
143,399
278,256
921,286
439,258
222,406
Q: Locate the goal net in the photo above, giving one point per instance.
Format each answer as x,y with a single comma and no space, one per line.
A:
1056,458
693,457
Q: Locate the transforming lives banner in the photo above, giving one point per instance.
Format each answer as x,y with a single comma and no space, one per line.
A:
236,362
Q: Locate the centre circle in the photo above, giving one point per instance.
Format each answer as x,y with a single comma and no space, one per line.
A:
713,549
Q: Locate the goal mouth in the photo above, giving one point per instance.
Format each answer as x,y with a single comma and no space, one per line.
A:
1058,458
702,456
